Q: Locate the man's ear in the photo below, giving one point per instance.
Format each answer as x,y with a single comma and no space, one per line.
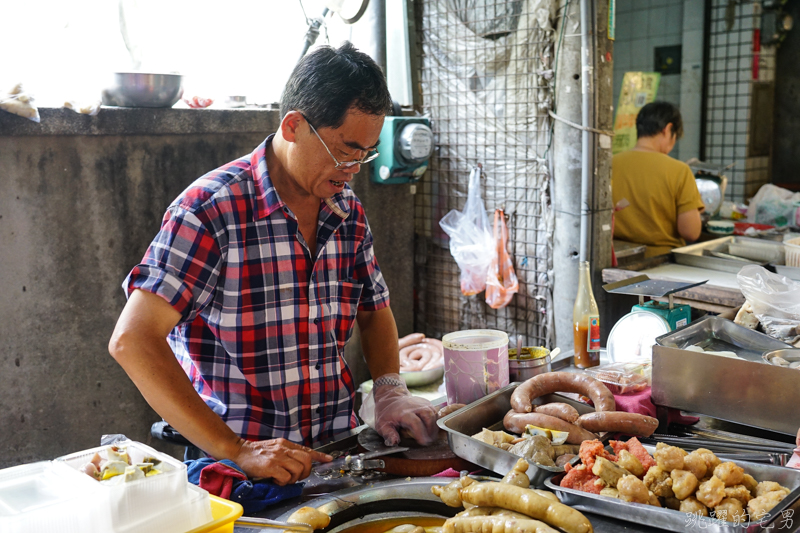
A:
290,124
668,131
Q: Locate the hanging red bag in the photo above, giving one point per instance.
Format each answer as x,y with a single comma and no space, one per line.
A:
501,281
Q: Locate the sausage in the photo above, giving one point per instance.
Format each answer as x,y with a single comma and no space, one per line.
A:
619,422
409,340
447,409
494,524
559,410
516,422
527,502
562,382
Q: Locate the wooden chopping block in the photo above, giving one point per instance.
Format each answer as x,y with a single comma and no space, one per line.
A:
419,461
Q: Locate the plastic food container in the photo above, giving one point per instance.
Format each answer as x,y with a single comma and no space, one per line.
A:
475,364
792,247
623,378
57,496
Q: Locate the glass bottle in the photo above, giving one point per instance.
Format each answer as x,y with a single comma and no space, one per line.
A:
586,322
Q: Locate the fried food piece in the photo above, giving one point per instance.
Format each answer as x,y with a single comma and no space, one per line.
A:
669,458
477,511
629,462
591,449
708,456
696,464
517,475
654,501
529,446
738,492
751,484
692,505
673,503
684,483
581,478
730,510
711,492
611,493
761,505
541,458
659,482
609,472
635,447
729,473
766,487
633,489
311,516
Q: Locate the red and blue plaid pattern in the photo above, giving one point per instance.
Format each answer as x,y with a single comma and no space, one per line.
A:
264,324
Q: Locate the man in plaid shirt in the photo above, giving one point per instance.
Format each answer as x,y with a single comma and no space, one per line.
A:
253,284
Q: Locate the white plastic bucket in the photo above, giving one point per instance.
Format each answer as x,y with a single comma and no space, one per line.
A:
475,364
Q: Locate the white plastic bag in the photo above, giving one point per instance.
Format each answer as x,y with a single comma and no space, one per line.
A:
775,300
18,102
774,206
471,241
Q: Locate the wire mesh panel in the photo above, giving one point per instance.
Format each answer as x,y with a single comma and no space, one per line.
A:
486,71
738,68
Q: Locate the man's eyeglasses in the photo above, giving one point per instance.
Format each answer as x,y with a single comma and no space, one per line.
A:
343,164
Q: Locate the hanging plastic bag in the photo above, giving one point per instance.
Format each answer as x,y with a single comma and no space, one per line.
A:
775,301
470,239
501,281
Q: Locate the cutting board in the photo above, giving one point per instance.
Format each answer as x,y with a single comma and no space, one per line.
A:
418,460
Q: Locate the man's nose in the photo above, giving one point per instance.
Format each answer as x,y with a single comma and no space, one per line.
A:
352,169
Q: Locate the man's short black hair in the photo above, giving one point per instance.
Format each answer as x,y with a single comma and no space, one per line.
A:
326,83
654,117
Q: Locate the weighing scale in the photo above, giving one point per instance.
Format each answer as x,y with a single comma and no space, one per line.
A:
676,315
633,336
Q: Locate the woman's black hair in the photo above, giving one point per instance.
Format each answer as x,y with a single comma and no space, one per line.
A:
326,83
654,117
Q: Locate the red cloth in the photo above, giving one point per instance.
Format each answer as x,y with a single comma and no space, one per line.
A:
448,473
641,403
218,479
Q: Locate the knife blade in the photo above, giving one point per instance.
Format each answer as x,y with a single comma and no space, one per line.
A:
343,463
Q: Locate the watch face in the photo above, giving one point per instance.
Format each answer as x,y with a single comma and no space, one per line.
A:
416,142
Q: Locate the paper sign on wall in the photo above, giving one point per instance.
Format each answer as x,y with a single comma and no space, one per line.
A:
638,89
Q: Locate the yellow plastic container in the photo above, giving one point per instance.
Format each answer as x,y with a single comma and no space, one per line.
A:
224,513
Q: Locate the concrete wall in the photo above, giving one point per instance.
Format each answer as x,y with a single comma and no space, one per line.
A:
80,199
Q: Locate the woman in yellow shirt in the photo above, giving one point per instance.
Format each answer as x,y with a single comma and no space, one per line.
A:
665,205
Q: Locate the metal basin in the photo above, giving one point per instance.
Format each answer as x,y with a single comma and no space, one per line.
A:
140,89
384,500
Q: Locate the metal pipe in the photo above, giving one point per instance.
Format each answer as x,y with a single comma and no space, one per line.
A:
587,139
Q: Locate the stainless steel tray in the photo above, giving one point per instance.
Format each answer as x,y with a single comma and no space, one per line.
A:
670,520
789,272
700,254
713,333
488,412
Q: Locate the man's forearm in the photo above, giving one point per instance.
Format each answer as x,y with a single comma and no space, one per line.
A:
152,367
379,342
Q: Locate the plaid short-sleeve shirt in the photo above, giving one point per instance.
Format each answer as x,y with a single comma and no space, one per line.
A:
264,321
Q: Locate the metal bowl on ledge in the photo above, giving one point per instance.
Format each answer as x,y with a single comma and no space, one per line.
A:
141,89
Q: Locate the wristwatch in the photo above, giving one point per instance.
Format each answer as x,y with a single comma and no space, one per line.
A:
388,380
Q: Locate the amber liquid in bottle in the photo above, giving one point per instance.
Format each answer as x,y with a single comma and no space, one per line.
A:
586,322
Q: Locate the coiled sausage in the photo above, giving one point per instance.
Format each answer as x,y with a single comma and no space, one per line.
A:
562,382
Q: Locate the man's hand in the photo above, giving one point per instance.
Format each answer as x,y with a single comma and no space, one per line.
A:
279,459
397,409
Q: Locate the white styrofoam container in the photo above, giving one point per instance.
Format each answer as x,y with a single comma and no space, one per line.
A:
134,502
34,498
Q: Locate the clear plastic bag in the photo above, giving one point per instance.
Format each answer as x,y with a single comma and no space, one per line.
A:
501,281
20,103
471,243
774,206
775,301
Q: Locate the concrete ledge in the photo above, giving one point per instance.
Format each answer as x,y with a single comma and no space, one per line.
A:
141,121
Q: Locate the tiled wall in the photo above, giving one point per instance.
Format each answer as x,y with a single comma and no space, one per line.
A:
642,26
